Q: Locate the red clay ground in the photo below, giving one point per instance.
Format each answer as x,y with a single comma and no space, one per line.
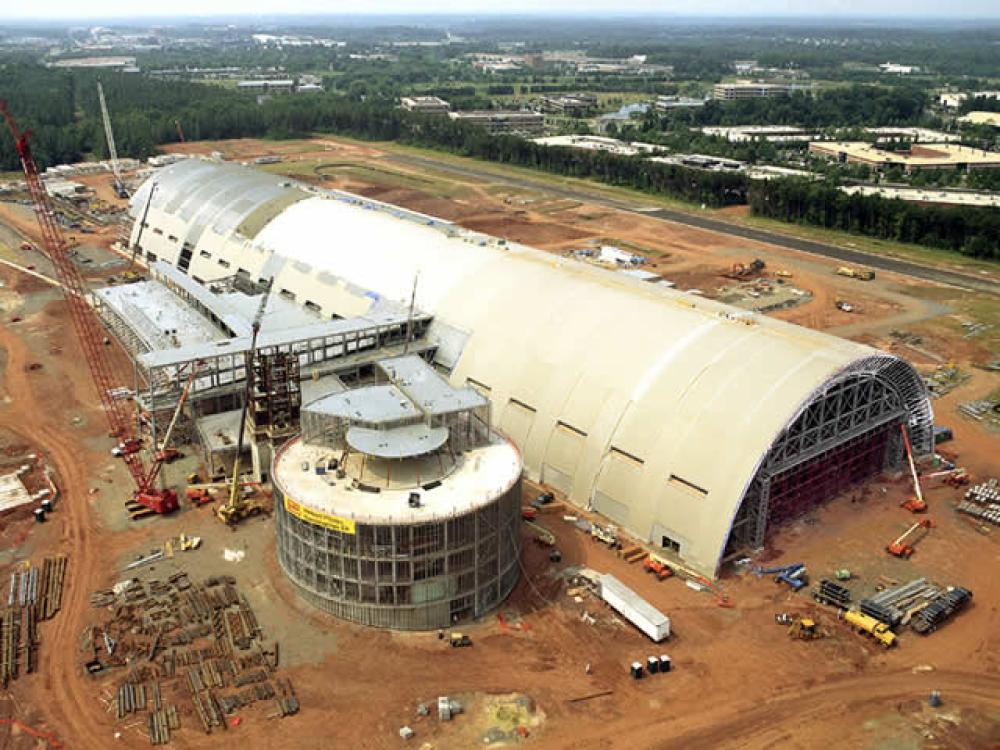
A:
740,682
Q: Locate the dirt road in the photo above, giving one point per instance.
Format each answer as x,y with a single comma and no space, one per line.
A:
59,696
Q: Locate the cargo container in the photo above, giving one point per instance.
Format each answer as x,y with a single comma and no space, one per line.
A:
634,608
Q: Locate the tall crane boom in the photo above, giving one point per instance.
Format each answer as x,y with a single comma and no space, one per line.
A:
112,151
85,322
234,510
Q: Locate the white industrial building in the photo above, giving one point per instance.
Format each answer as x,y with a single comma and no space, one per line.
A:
693,425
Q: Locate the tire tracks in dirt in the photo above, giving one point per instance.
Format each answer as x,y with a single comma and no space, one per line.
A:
57,692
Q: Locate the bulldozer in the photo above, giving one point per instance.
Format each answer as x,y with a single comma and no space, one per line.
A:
806,629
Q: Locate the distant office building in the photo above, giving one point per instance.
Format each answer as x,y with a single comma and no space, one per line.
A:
570,105
428,105
897,69
499,123
744,66
770,133
982,118
938,156
284,86
902,133
667,103
747,90
116,61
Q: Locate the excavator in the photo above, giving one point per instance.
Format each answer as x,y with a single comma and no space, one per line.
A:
239,506
915,504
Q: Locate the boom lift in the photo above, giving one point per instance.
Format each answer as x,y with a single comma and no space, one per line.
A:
88,330
899,548
239,507
794,575
915,504
657,566
120,190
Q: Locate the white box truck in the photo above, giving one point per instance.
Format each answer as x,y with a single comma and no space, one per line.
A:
634,608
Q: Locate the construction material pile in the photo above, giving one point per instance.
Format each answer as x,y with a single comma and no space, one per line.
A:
198,645
897,605
940,609
986,411
34,595
983,501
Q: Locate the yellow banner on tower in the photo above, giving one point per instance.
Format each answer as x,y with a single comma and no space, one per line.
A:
334,523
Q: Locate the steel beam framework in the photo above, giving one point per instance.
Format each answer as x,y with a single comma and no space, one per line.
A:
844,434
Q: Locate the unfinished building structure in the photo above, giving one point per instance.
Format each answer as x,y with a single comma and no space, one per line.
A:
398,506
694,425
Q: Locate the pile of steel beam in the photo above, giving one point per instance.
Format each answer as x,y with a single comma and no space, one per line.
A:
895,605
160,723
33,595
940,609
204,636
983,501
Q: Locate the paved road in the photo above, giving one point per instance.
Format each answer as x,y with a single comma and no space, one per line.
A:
967,281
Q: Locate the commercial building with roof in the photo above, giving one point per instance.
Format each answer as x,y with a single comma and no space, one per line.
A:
748,90
695,426
571,105
498,122
982,118
923,156
428,105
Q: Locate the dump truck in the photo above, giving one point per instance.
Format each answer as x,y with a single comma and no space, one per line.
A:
855,273
870,626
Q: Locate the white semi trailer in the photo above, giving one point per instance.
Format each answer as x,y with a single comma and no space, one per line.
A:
634,608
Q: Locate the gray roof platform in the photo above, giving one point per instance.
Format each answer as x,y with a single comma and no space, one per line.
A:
374,405
424,387
398,442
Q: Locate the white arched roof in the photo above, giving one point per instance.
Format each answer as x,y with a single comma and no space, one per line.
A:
653,405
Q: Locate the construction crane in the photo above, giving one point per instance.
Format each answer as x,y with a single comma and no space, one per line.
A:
120,190
238,507
88,329
900,547
136,247
180,130
915,504
166,454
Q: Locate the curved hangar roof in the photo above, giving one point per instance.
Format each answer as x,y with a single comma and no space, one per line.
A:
653,406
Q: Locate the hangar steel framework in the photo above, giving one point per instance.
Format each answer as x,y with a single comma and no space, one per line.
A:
845,434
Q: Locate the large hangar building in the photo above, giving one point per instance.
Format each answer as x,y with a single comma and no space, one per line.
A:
694,425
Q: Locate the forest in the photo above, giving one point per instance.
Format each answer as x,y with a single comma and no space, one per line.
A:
971,231
61,108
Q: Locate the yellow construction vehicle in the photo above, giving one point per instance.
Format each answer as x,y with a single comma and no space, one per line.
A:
870,626
806,629
854,273
459,640
240,505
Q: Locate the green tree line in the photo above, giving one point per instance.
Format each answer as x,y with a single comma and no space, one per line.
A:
972,231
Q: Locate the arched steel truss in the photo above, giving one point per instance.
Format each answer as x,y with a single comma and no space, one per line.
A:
844,433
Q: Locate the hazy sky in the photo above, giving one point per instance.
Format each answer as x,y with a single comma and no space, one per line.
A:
55,10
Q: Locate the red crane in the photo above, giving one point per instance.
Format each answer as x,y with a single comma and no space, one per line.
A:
88,329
